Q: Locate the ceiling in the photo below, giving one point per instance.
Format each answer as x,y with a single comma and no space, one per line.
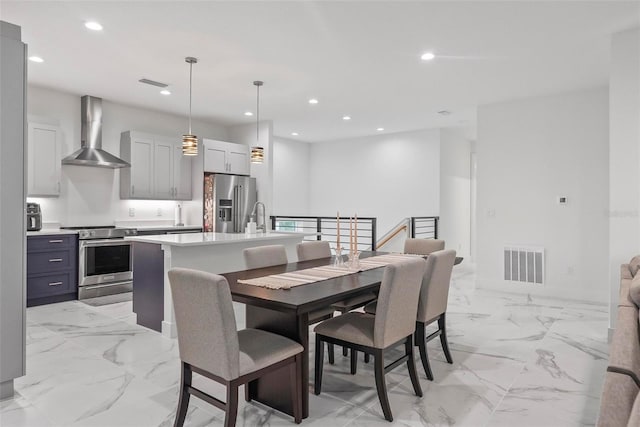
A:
360,59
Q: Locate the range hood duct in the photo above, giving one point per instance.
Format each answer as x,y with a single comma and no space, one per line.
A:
91,152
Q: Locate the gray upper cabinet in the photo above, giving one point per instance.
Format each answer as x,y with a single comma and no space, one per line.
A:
43,145
226,157
158,169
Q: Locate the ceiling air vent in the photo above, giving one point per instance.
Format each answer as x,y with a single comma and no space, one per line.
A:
153,83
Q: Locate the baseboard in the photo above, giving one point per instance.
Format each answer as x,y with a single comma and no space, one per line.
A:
570,294
6,390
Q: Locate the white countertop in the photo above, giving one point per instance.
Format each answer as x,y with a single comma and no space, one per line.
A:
165,227
50,231
205,239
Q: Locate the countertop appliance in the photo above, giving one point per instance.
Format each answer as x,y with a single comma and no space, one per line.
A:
228,200
105,264
34,217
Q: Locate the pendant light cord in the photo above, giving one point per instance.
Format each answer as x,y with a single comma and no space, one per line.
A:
258,114
190,89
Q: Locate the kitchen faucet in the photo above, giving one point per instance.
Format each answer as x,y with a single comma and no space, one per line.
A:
255,211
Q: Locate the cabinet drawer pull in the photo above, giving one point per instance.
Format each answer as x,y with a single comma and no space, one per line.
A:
56,241
55,260
55,283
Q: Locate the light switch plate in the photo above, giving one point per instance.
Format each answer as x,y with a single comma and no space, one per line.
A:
132,212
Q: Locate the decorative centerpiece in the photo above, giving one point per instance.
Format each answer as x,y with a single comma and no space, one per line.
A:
337,261
354,255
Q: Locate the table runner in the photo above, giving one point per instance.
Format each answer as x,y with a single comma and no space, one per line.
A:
317,274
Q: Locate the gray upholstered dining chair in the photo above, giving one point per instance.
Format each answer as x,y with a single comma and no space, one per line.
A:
392,325
432,305
270,255
264,256
313,250
210,345
422,246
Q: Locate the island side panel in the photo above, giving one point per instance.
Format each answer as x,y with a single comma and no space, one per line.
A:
148,285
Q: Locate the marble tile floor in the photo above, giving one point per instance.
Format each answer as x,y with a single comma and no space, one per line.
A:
518,360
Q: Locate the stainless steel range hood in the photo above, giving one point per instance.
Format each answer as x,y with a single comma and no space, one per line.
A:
91,152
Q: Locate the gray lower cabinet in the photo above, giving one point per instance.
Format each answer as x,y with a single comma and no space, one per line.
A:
52,269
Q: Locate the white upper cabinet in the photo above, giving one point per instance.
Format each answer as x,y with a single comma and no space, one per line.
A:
163,169
43,145
181,174
140,182
226,157
239,159
158,169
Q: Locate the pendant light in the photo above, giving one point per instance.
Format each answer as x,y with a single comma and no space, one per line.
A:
257,151
190,141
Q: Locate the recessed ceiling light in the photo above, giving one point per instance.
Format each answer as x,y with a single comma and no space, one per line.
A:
248,113
380,129
165,92
313,101
36,59
294,133
427,56
92,25
346,118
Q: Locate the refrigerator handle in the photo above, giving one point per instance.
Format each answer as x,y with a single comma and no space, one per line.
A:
236,207
241,208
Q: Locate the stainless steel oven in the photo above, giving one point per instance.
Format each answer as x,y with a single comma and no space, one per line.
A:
105,264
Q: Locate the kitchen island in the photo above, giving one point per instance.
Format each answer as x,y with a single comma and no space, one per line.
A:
154,256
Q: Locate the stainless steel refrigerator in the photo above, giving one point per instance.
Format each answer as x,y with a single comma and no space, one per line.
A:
228,201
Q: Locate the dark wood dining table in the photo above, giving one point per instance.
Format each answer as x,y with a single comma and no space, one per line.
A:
286,312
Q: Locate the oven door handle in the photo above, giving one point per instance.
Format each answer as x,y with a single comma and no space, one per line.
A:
104,242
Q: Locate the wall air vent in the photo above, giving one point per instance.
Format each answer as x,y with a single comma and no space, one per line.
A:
153,83
524,264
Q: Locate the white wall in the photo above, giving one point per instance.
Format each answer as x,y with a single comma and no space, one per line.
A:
291,160
390,177
624,157
91,196
455,191
530,152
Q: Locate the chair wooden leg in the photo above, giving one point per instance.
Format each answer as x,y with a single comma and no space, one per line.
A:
381,385
332,355
295,374
354,362
183,402
247,392
317,386
411,365
232,406
422,346
442,324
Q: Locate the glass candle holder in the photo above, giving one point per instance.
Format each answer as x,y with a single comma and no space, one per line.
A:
337,260
354,260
